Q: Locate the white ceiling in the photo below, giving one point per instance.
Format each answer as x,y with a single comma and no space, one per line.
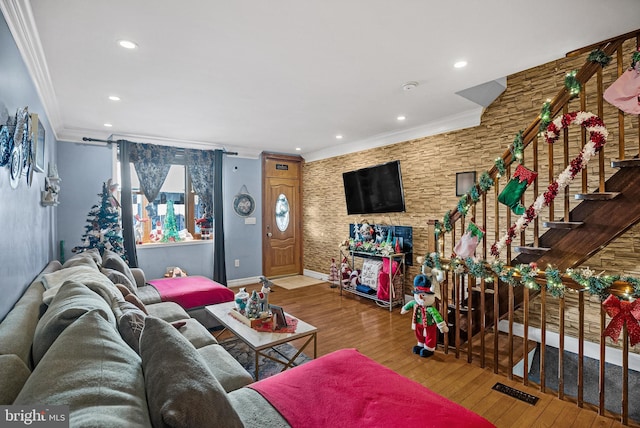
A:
253,75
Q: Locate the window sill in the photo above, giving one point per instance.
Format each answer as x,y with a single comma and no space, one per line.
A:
174,244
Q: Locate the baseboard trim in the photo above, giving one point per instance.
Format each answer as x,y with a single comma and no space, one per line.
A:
234,283
591,349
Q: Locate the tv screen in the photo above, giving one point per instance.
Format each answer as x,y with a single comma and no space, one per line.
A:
376,189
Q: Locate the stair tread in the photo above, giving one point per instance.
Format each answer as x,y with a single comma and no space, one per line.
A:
597,196
531,250
562,224
625,163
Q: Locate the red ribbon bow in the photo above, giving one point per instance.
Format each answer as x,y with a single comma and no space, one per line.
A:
622,312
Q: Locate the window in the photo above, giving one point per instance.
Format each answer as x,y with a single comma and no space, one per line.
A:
149,216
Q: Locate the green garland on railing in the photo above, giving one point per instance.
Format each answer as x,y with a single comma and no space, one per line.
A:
517,147
545,116
486,182
527,275
572,84
446,222
600,57
501,166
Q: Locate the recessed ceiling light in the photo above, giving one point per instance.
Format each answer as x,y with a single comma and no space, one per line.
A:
108,125
298,149
127,44
460,64
114,98
401,118
409,86
338,137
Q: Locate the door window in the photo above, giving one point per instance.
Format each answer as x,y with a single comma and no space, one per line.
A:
282,212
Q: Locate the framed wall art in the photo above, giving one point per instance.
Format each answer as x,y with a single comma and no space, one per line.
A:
464,181
37,143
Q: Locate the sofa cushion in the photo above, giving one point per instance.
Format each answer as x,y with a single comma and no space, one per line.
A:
13,374
182,391
71,302
89,257
111,260
196,333
118,277
18,327
90,369
226,369
255,411
130,324
167,311
81,273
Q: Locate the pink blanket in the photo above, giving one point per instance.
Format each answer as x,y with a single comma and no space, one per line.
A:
348,389
192,291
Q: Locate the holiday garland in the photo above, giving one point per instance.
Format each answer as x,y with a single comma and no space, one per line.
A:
597,139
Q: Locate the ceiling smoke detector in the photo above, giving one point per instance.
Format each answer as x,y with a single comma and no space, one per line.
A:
410,85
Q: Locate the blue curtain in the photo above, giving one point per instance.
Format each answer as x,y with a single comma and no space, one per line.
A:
200,164
219,265
128,234
152,165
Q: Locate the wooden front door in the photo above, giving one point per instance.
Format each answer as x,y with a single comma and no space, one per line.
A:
281,215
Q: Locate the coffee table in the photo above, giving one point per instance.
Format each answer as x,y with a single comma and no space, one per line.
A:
259,341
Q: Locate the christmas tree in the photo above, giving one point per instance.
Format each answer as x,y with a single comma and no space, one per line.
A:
103,230
170,228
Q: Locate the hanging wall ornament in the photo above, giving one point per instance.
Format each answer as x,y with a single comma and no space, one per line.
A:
513,191
243,202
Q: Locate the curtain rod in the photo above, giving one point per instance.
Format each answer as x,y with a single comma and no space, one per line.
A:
224,151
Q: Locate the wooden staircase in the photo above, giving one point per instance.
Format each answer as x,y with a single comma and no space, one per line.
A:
594,223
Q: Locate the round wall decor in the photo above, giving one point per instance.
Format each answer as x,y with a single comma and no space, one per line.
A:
244,204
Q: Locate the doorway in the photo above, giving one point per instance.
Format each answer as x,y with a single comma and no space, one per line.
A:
281,215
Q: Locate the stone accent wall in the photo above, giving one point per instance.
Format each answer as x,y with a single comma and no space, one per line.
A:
429,167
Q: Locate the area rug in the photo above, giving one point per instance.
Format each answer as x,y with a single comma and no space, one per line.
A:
296,281
247,358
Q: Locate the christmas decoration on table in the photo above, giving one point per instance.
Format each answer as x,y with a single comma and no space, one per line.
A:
170,233
469,241
622,313
597,139
263,295
334,277
104,231
515,188
624,93
241,300
426,319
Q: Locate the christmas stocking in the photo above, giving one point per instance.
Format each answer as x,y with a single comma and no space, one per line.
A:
624,93
469,241
513,191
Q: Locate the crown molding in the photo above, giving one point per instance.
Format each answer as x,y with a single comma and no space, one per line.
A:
19,17
463,120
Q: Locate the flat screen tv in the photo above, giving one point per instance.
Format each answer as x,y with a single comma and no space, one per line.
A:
376,189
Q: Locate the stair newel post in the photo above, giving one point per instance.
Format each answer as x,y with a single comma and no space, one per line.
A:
580,347
511,310
496,320
625,375
603,355
543,336
525,338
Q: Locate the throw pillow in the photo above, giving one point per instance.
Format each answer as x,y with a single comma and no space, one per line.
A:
130,324
118,277
13,374
111,260
133,299
181,390
72,301
85,258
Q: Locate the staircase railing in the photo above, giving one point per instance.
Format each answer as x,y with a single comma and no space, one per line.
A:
499,311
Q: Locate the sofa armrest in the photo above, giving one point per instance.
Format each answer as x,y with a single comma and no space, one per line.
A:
138,274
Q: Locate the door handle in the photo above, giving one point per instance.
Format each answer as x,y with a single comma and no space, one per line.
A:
269,234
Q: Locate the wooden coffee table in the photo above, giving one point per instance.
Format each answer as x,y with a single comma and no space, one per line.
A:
259,341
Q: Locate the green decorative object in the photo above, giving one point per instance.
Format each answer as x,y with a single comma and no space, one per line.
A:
572,84
170,232
517,147
545,116
600,57
513,191
486,182
501,166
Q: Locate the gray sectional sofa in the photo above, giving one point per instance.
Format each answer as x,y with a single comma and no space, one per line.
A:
76,338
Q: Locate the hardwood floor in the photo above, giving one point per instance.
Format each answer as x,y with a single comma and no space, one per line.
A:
349,321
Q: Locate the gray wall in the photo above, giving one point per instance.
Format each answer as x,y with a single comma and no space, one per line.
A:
27,229
83,168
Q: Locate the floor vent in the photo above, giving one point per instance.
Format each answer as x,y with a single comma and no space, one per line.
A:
515,393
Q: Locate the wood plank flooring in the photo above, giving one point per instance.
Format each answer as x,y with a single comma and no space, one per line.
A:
349,321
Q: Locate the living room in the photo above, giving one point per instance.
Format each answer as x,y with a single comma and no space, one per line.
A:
429,164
